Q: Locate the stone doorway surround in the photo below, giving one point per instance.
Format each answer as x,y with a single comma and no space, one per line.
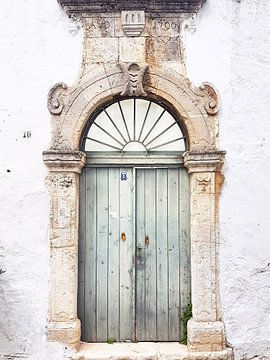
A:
139,63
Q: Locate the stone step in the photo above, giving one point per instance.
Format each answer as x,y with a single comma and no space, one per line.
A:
132,351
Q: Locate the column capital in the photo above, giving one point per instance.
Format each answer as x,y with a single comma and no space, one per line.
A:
209,161
58,161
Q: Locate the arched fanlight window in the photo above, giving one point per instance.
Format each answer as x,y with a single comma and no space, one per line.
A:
134,125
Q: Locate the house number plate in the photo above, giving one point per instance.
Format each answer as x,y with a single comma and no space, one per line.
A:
123,176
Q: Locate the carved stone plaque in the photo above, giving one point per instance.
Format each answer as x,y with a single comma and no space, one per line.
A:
133,22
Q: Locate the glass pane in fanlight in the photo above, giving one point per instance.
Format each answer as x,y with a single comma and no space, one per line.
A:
93,146
106,124
141,110
176,146
128,112
97,134
134,146
115,113
153,115
162,131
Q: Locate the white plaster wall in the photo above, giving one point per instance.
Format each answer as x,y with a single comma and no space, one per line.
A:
36,51
231,49
39,46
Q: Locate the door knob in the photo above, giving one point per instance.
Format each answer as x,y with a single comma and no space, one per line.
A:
146,240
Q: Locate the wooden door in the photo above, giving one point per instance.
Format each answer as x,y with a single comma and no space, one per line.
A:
133,253
106,255
162,242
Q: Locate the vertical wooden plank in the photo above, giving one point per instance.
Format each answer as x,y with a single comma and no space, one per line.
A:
140,260
150,256
102,254
126,256
162,254
113,259
81,251
184,225
90,256
173,255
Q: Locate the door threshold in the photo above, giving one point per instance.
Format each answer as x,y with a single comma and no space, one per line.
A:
132,351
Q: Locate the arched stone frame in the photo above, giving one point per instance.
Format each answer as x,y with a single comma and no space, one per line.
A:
197,108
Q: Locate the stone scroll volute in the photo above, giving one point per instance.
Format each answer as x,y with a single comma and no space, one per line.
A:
56,98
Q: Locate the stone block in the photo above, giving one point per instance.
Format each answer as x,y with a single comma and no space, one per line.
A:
132,49
63,284
65,332
206,336
98,50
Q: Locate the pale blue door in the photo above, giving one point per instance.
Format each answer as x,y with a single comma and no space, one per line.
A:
106,255
134,276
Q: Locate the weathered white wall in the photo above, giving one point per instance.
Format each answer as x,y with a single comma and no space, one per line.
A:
39,46
36,51
231,49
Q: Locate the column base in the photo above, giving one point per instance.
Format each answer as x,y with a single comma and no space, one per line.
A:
205,336
65,332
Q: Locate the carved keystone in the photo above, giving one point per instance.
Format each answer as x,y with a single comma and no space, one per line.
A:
134,76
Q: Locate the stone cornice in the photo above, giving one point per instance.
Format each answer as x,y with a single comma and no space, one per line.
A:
156,6
58,161
204,162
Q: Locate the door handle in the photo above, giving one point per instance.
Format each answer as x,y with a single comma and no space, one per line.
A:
140,255
139,251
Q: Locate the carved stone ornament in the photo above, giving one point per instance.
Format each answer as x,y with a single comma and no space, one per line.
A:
56,98
190,24
203,185
210,98
133,22
134,77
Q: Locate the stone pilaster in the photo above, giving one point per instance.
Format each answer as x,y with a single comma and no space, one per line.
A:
63,184
205,330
